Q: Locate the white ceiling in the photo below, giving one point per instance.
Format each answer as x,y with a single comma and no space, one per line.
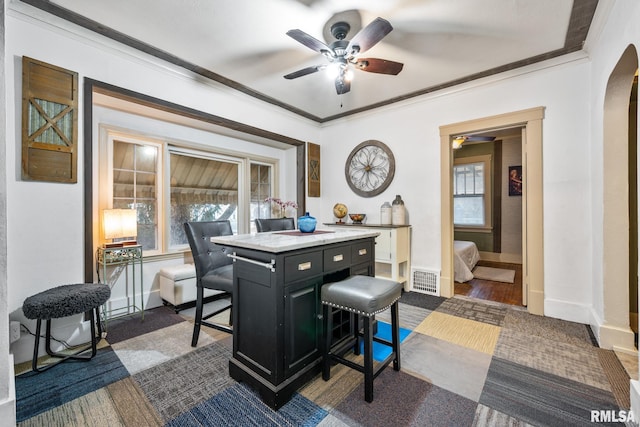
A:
243,44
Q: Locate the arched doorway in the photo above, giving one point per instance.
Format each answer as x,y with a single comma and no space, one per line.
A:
615,331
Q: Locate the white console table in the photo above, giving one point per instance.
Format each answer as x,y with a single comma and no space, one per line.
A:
393,250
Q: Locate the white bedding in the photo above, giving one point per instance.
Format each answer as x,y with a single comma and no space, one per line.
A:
465,257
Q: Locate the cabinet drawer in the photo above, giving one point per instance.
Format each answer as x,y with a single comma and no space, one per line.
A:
301,266
337,258
361,252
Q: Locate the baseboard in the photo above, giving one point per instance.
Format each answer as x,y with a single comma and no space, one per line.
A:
8,405
501,257
567,310
611,337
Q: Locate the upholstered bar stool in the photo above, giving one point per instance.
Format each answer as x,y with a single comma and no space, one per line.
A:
64,301
364,297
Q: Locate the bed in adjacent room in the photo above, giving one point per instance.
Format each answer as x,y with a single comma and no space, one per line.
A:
465,257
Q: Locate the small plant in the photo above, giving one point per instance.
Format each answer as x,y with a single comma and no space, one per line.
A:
281,204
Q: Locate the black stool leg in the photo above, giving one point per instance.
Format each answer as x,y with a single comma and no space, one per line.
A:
34,362
395,335
327,322
368,358
355,322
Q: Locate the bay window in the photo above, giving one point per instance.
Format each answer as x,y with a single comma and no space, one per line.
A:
169,185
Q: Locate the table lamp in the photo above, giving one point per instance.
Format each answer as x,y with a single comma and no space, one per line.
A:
120,225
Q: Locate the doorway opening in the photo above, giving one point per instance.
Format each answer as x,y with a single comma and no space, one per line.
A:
530,122
487,215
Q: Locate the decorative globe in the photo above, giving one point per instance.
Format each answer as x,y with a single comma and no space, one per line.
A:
339,211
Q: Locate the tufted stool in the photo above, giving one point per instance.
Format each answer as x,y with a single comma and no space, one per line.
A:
64,301
362,296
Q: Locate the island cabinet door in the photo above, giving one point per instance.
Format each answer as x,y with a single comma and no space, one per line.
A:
302,324
255,317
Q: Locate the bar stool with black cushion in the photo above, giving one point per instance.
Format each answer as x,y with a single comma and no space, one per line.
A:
274,224
214,270
364,297
64,301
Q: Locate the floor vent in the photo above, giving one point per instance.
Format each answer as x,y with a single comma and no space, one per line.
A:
425,281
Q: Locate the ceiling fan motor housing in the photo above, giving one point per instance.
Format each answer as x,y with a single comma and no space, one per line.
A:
339,30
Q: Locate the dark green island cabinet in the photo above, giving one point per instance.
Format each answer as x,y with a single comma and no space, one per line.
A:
277,321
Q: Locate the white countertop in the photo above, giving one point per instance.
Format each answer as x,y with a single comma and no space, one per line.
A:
276,241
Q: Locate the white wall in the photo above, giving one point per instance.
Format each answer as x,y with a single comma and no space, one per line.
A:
412,133
45,220
511,227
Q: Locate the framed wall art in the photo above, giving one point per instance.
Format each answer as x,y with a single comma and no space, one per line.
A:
515,180
313,168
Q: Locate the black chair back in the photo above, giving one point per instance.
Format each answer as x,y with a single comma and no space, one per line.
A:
207,256
274,224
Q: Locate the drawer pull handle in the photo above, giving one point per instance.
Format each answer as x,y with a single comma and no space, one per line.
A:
304,266
338,257
362,252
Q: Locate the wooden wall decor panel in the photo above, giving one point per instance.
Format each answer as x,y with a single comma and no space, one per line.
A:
314,170
49,122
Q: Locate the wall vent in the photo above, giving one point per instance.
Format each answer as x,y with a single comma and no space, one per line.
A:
425,281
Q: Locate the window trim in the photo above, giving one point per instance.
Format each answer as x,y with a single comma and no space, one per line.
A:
486,159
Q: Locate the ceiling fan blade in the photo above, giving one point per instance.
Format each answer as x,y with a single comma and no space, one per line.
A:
369,35
342,85
480,138
304,72
381,66
308,41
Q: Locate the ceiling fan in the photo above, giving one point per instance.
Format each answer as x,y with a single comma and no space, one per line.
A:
459,140
342,53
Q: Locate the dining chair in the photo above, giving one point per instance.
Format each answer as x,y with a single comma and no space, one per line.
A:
214,270
274,224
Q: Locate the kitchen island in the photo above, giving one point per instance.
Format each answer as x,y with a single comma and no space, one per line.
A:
277,322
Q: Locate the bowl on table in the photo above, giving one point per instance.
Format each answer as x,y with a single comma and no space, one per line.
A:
357,218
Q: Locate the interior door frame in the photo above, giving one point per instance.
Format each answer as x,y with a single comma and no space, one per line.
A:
533,251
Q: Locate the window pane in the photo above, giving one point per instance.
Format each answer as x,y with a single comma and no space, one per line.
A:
468,210
479,179
134,187
260,190
201,190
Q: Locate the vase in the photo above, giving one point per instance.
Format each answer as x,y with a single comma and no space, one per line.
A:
307,223
385,214
397,211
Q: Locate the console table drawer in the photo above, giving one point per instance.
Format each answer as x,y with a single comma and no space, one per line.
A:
337,258
301,266
361,251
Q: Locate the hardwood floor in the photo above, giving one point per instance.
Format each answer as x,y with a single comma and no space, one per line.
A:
508,293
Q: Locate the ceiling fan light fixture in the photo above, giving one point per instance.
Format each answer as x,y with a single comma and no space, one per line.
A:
333,70
457,142
348,74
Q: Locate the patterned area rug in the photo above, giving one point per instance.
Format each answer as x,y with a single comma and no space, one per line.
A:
465,362
494,274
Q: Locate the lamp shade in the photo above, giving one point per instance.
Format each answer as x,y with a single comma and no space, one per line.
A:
119,223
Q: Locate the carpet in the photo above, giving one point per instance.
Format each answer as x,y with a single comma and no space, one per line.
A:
494,274
381,351
541,372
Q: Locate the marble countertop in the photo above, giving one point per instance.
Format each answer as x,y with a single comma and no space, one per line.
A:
283,241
